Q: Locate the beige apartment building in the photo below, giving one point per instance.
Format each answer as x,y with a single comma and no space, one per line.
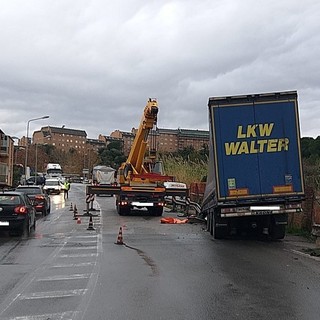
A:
62,138
6,160
126,137
160,139
94,144
166,140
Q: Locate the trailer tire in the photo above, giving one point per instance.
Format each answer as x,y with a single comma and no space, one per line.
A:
156,211
278,232
208,222
210,219
123,211
218,233
215,231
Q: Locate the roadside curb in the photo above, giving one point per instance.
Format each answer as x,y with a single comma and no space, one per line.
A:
302,246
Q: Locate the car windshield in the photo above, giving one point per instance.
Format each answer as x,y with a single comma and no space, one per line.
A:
9,199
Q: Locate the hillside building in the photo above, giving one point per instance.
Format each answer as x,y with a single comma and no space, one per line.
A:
6,160
62,138
160,139
166,140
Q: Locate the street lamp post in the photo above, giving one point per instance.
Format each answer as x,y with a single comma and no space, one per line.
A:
26,158
36,165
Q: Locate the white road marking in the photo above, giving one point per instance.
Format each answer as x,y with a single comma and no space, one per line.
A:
78,248
73,265
69,315
78,255
52,294
68,277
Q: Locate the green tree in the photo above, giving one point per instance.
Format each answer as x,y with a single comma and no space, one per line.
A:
306,147
112,155
190,154
310,150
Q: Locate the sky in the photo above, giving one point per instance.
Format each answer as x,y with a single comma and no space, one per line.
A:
93,64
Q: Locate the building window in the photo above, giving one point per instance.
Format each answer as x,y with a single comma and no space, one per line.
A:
4,144
3,173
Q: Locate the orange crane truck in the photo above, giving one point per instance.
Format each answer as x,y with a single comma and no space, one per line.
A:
139,185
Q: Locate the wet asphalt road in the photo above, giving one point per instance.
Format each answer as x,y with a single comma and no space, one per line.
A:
64,271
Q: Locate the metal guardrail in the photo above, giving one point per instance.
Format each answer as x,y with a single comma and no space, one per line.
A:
185,202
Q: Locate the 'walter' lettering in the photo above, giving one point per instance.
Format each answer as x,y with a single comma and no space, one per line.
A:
261,130
259,146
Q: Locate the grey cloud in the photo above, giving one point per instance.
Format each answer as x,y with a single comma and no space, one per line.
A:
93,64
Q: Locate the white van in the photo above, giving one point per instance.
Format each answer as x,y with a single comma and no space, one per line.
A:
53,185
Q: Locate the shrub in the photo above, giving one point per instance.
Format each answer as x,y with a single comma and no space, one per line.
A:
184,170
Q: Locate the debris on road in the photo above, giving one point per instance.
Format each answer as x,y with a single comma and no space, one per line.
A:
170,220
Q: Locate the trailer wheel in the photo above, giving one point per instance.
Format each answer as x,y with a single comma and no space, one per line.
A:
208,226
217,232
277,232
123,211
277,227
211,221
156,211
208,222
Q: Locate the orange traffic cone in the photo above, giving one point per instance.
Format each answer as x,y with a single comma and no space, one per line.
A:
90,227
119,239
78,221
71,208
75,212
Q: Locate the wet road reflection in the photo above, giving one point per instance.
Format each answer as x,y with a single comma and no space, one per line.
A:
57,201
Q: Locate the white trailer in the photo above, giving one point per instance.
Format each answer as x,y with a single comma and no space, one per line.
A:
103,175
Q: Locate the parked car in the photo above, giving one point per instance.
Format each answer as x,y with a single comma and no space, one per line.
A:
53,185
85,180
39,196
17,213
38,180
75,179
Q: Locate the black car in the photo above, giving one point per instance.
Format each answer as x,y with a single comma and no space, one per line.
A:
40,198
38,180
17,213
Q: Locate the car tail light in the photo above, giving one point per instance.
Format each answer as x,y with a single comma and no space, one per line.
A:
21,210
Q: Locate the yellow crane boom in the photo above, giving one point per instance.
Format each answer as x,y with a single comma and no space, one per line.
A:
135,161
139,146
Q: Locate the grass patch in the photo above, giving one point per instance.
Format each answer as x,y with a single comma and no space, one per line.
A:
185,171
313,252
300,232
